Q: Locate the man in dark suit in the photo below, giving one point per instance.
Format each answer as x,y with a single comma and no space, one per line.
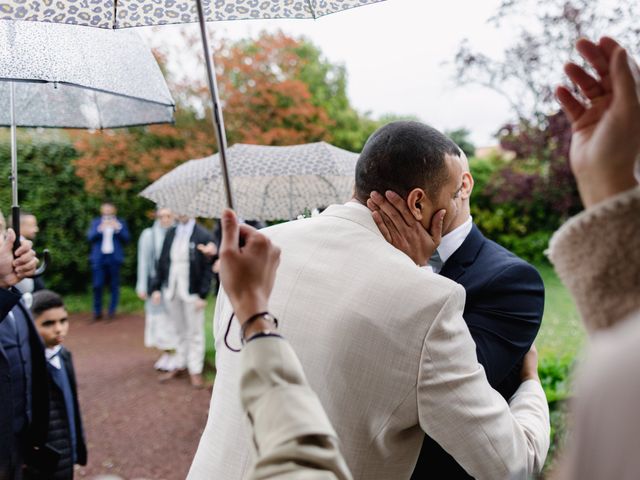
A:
107,235
183,277
505,295
23,374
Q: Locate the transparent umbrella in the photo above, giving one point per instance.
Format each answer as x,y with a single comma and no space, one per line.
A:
62,76
270,183
134,13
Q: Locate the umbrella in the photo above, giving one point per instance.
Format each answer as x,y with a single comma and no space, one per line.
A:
61,76
270,183
134,13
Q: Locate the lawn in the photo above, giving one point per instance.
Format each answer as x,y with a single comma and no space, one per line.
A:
561,335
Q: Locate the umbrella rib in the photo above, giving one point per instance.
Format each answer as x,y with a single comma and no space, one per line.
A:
115,13
313,12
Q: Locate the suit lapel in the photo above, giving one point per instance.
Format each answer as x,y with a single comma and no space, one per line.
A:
456,264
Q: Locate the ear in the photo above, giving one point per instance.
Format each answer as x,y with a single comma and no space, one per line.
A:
467,185
419,204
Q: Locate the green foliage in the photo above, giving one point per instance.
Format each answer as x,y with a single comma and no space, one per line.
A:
461,137
50,189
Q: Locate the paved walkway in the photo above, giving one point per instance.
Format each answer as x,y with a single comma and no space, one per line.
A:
136,428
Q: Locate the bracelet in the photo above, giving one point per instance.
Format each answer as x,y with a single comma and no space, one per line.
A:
253,318
266,333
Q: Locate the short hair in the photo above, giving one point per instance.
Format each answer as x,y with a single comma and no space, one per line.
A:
44,300
401,156
107,202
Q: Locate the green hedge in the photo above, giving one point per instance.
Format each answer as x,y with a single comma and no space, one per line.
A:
50,189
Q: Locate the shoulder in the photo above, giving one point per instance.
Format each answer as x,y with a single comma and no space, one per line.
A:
499,263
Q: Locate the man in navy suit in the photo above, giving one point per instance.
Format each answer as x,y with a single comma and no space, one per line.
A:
505,295
107,235
24,400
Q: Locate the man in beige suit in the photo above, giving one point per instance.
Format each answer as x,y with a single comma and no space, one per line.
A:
387,361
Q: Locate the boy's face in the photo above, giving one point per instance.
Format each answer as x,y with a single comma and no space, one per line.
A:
53,326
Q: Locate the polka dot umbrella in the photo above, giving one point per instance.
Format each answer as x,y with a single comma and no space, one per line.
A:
270,183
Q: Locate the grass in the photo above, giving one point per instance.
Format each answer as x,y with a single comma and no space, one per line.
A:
561,335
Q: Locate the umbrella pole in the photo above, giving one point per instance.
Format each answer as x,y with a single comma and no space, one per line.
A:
218,122
15,208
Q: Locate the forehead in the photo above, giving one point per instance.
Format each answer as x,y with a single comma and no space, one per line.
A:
28,219
55,314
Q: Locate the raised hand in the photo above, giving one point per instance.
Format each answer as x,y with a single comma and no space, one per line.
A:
606,129
399,227
247,273
16,266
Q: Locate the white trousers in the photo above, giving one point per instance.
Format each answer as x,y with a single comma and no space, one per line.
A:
189,328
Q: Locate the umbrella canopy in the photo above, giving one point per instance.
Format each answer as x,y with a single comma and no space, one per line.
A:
65,76
135,13
270,183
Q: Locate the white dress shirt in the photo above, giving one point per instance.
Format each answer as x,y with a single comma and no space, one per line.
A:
452,241
52,356
107,241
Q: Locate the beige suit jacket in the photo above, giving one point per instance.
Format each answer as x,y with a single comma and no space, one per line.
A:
291,432
384,346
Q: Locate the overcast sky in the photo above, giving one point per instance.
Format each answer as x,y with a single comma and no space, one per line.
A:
395,53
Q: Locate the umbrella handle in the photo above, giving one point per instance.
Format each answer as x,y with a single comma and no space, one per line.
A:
46,260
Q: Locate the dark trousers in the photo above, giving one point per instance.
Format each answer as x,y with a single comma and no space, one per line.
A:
106,271
11,468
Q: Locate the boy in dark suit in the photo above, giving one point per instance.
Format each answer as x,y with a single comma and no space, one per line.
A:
65,439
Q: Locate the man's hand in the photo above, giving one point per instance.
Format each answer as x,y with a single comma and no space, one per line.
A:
14,268
209,250
606,131
402,230
142,295
530,365
200,304
247,273
156,297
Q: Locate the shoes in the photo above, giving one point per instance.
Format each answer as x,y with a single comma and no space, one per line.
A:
111,317
197,381
162,363
96,317
166,376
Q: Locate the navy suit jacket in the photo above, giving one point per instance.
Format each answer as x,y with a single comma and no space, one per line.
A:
119,240
37,430
503,309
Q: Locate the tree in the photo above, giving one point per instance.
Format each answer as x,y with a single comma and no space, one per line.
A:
461,137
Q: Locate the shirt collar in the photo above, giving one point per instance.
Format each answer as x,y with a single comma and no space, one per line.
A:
52,356
185,229
454,239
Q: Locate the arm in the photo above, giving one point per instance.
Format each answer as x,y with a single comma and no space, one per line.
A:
123,234
504,323
94,234
291,430
143,264
458,408
206,272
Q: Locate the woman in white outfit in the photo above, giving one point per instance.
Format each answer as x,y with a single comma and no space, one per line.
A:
159,331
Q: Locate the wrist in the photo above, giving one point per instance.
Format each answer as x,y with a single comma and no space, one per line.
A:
249,307
594,191
535,377
258,326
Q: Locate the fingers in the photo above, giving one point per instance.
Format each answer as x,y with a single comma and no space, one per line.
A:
377,218
590,87
625,87
230,232
436,226
573,108
597,57
401,206
9,238
25,246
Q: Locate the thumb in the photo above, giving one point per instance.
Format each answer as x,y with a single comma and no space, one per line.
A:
230,231
624,83
9,238
436,226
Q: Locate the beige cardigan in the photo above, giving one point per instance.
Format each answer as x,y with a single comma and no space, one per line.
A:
597,255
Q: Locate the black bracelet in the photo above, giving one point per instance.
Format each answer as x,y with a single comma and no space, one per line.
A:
262,335
253,318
